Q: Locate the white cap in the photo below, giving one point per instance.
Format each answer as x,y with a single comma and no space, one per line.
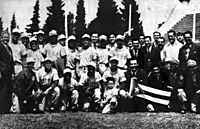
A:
25,35
52,33
103,37
67,70
40,32
92,64
33,39
191,63
71,37
114,58
62,36
16,30
86,36
30,60
48,59
120,37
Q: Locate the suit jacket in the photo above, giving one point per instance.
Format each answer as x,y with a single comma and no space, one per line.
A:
137,57
194,54
6,62
154,55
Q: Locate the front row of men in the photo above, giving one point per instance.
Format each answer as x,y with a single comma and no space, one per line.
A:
113,91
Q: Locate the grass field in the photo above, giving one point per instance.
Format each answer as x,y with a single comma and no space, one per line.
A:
96,120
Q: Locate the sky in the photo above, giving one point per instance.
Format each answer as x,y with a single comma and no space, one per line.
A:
152,12
23,10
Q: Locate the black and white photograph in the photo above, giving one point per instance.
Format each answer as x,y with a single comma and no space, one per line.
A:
100,64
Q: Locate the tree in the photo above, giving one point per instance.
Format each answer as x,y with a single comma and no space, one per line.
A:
1,25
34,26
108,19
56,18
80,26
136,24
13,22
70,23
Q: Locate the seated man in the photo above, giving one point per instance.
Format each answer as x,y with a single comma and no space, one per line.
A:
69,94
120,80
48,81
25,83
90,85
189,91
135,75
110,96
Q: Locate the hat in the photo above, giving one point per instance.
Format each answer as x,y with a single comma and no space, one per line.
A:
52,33
25,35
71,37
120,37
103,37
62,36
92,64
16,30
191,63
33,39
40,32
48,59
114,58
35,33
67,70
30,60
86,36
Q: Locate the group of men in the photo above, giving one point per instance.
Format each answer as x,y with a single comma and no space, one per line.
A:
97,73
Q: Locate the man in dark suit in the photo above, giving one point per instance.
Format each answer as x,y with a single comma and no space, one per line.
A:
149,51
190,50
6,72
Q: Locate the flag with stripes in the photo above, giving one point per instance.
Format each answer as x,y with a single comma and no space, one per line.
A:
151,94
154,95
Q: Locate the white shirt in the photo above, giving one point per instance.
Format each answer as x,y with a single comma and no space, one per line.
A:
171,51
46,78
102,55
37,56
84,78
71,55
119,76
122,55
54,51
18,50
87,56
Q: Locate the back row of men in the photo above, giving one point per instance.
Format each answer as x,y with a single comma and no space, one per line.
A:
97,74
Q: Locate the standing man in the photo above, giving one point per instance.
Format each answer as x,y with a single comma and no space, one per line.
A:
189,51
149,51
6,72
180,38
156,35
171,49
121,52
19,51
41,40
94,40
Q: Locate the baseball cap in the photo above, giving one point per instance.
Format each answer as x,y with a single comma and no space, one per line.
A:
120,37
86,36
33,39
62,36
103,37
52,33
67,70
30,60
16,31
114,58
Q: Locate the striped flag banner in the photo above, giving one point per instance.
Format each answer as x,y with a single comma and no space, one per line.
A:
154,95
